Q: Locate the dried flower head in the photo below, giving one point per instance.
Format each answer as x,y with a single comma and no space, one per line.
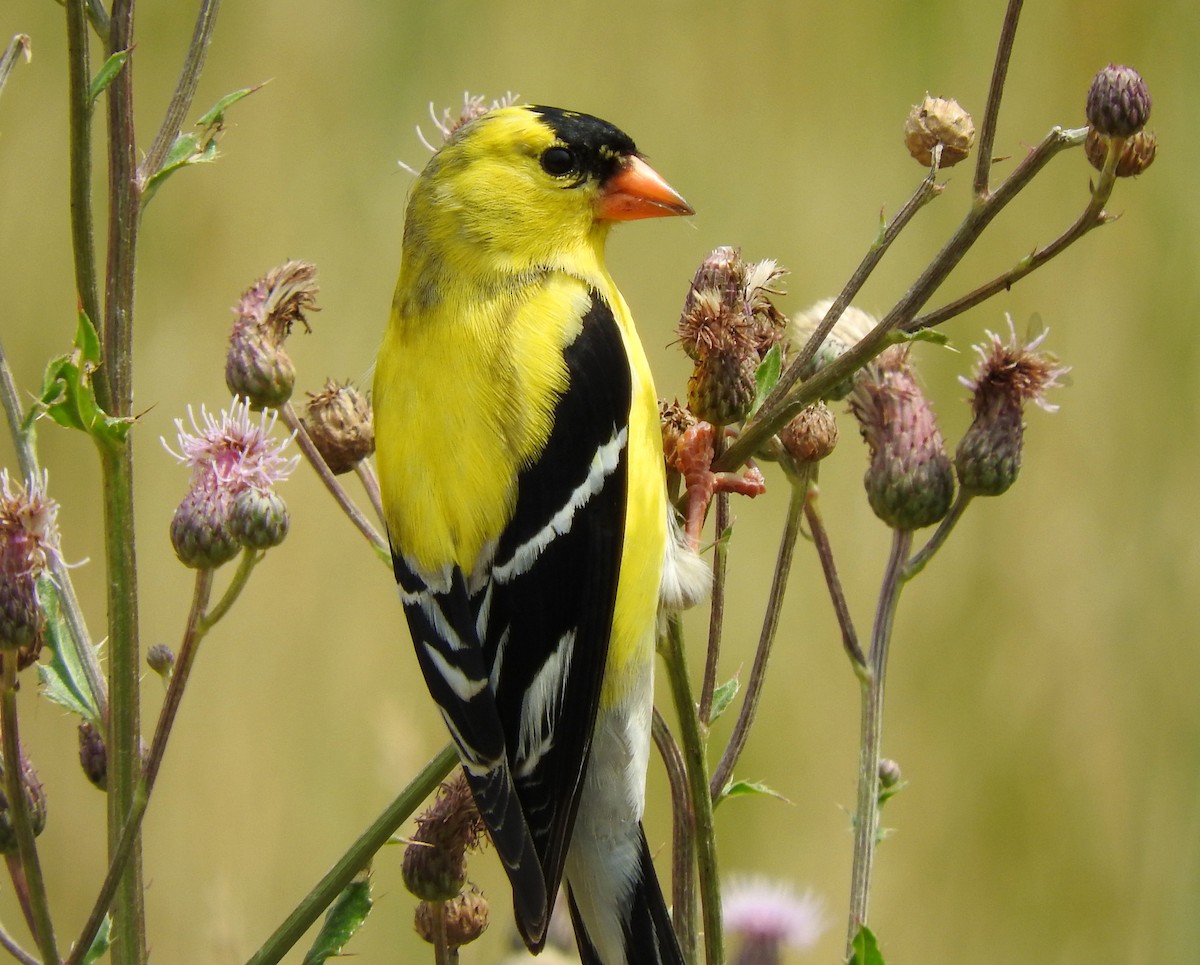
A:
939,121
768,916
1118,102
93,755
852,326
258,367
229,455
1010,374
448,122
465,915
35,802
674,420
728,324
1136,152
29,545
435,861
909,481
340,425
812,435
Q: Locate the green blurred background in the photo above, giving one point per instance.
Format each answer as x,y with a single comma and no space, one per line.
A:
1043,695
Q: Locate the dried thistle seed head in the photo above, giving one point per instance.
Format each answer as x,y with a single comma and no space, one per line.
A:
909,481
93,755
258,367
1137,152
259,518
1010,374
675,420
465,915
340,425
29,544
938,120
1118,102
435,860
35,802
812,435
850,328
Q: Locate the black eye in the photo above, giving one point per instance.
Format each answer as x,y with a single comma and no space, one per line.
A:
557,161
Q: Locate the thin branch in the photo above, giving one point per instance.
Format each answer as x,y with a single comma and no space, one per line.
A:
20,44
683,840
185,90
939,537
9,944
19,816
288,413
758,672
716,613
987,131
83,239
370,483
816,525
353,861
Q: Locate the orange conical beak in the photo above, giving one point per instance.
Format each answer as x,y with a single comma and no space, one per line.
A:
638,191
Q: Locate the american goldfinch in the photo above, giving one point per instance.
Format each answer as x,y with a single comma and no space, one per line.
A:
521,468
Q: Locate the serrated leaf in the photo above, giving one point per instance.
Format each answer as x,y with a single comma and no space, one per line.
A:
864,950
747,788
920,335
766,376
198,146
345,916
63,679
723,696
106,74
87,340
100,943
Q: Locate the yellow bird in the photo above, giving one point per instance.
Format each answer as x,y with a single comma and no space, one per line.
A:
520,461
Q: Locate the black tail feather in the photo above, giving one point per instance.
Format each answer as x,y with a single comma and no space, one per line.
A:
649,935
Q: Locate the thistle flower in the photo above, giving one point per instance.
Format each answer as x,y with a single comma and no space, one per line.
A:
93,755
448,122
768,916
812,435
29,545
465,915
1137,152
1010,374
909,481
939,120
35,801
852,326
1118,102
728,324
229,456
340,425
258,367
435,861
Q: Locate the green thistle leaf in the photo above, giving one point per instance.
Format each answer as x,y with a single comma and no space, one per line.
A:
864,950
766,376
106,75
723,696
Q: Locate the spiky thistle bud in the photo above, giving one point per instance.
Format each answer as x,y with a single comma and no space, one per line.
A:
1010,374
93,755
728,324
161,659
1137,152
259,518
258,367
812,435
228,456
435,861
850,328
890,774
1118,102
909,480
339,423
465,916
35,801
939,120
29,545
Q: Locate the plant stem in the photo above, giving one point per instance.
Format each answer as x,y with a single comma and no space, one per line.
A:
925,554
83,240
758,672
115,395
360,852
441,951
816,525
716,612
987,130
288,413
185,90
370,483
692,742
18,809
866,815
9,944
683,841
20,44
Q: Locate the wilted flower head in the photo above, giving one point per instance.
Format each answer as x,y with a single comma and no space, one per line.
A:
465,916
909,481
257,367
229,456
1137,152
851,327
768,916
449,121
727,326
435,861
340,424
28,546
35,802
939,120
1009,374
